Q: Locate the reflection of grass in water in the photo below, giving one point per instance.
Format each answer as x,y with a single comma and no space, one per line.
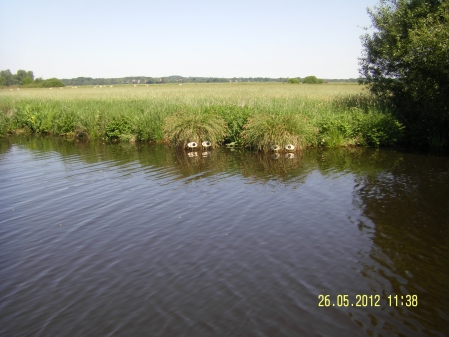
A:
357,160
177,163
201,164
266,166
4,146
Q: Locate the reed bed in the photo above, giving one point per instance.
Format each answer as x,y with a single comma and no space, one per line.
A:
331,115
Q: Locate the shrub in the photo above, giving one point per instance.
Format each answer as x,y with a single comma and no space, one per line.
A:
52,83
119,128
356,127
312,80
293,81
64,122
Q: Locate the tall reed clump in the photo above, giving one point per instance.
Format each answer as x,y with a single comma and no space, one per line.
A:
194,126
6,112
264,130
235,117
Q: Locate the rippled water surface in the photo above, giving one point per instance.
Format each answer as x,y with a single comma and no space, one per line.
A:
126,240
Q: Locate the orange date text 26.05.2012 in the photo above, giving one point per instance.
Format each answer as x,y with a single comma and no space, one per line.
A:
366,301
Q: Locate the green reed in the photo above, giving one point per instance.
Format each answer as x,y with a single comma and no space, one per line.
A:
248,114
194,126
263,131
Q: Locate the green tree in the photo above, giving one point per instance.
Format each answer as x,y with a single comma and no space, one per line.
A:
24,77
294,80
51,83
21,74
8,77
406,60
27,80
312,80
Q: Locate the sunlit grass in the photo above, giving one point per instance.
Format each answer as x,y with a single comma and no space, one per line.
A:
243,93
338,114
264,131
194,126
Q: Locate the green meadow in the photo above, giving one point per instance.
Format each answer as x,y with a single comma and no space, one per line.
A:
254,115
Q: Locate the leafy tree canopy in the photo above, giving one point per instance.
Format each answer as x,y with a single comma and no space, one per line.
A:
27,80
293,80
7,78
406,60
52,82
312,80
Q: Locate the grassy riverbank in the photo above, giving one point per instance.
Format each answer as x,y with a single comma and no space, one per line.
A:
253,115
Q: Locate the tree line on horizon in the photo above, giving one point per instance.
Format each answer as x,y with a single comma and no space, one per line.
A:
27,79
20,78
79,81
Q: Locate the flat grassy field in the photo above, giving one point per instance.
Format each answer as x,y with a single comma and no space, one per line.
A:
235,92
256,115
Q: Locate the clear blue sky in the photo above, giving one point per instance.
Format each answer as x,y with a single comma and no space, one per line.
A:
256,38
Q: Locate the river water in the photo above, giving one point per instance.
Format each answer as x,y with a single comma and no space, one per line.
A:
141,240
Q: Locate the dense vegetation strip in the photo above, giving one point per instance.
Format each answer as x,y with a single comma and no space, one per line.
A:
256,115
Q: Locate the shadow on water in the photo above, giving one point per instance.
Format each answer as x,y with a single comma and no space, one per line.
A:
404,195
409,205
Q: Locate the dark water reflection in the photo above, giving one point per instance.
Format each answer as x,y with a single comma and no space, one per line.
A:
128,240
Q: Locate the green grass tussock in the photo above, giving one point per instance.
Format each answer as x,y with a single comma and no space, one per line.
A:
265,130
194,126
